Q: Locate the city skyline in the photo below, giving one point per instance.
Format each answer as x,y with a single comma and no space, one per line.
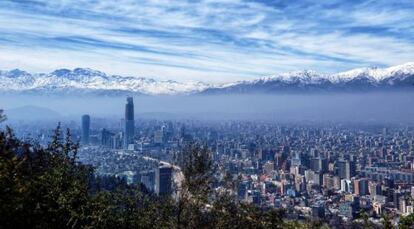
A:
334,173
212,41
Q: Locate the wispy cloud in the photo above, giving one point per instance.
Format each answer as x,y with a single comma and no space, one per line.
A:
209,40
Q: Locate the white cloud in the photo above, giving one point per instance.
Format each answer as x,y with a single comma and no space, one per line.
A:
208,40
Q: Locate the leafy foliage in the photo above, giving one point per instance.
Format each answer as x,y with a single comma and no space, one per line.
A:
406,222
42,187
386,223
193,197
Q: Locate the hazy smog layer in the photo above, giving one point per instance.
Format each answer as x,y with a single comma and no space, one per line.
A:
388,107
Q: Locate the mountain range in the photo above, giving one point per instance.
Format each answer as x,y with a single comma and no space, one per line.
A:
88,81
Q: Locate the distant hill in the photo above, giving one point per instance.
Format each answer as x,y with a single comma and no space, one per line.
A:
32,113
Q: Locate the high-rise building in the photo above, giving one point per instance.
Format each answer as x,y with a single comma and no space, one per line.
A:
318,178
396,196
106,138
341,165
242,190
159,137
337,182
412,192
163,179
377,207
147,179
346,186
328,181
300,183
374,188
319,164
129,122
402,205
361,187
346,169
86,124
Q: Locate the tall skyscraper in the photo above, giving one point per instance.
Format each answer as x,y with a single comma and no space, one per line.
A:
129,122
86,124
163,179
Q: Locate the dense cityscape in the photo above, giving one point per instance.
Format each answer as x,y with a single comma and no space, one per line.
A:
332,172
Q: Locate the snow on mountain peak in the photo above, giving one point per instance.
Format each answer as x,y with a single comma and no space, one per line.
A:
305,75
87,79
375,74
404,69
77,73
378,74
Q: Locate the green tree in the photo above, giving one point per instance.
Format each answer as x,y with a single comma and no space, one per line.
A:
406,222
386,222
193,198
43,187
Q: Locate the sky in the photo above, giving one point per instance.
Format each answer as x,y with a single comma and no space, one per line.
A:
205,40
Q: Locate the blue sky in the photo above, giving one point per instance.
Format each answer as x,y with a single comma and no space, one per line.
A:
207,40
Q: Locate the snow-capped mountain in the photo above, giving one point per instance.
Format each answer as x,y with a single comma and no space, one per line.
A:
84,80
400,77
377,74
88,80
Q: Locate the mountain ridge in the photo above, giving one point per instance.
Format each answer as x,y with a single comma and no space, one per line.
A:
86,80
